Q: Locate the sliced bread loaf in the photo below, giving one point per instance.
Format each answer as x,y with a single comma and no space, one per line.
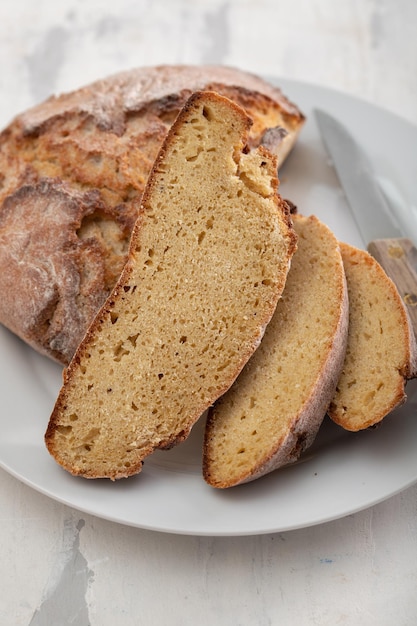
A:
381,350
274,409
72,173
208,261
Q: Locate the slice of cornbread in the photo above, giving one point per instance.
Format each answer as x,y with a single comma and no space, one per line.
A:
208,261
381,350
274,409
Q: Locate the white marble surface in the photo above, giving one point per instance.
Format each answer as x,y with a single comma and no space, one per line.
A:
59,566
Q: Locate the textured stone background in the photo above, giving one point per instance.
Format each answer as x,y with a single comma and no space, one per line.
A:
60,567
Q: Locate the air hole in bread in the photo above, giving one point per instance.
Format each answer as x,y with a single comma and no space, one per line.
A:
194,157
133,339
208,113
64,430
119,352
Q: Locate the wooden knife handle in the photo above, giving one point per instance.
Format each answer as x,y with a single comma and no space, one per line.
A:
398,257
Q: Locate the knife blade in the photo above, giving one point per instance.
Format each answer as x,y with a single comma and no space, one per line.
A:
376,223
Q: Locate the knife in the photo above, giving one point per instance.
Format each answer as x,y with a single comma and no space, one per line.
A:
376,223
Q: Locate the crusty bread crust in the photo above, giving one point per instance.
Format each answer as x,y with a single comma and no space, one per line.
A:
86,156
381,351
274,410
208,261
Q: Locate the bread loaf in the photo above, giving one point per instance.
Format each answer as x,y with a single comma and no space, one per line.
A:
273,411
208,260
72,173
381,351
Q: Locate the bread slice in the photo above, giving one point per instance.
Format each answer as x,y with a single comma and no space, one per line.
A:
208,260
273,411
381,350
72,173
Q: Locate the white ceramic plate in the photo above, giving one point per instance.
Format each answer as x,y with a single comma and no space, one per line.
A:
342,472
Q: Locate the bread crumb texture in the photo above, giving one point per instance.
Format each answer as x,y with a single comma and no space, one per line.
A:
274,409
380,347
208,261
72,173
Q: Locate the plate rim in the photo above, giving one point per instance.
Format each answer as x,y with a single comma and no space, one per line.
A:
331,98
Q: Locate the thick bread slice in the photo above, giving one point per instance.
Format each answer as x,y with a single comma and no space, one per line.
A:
72,173
381,351
208,260
273,411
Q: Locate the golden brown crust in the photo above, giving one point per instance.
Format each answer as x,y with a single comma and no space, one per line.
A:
208,260
55,280
381,351
101,140
274,409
